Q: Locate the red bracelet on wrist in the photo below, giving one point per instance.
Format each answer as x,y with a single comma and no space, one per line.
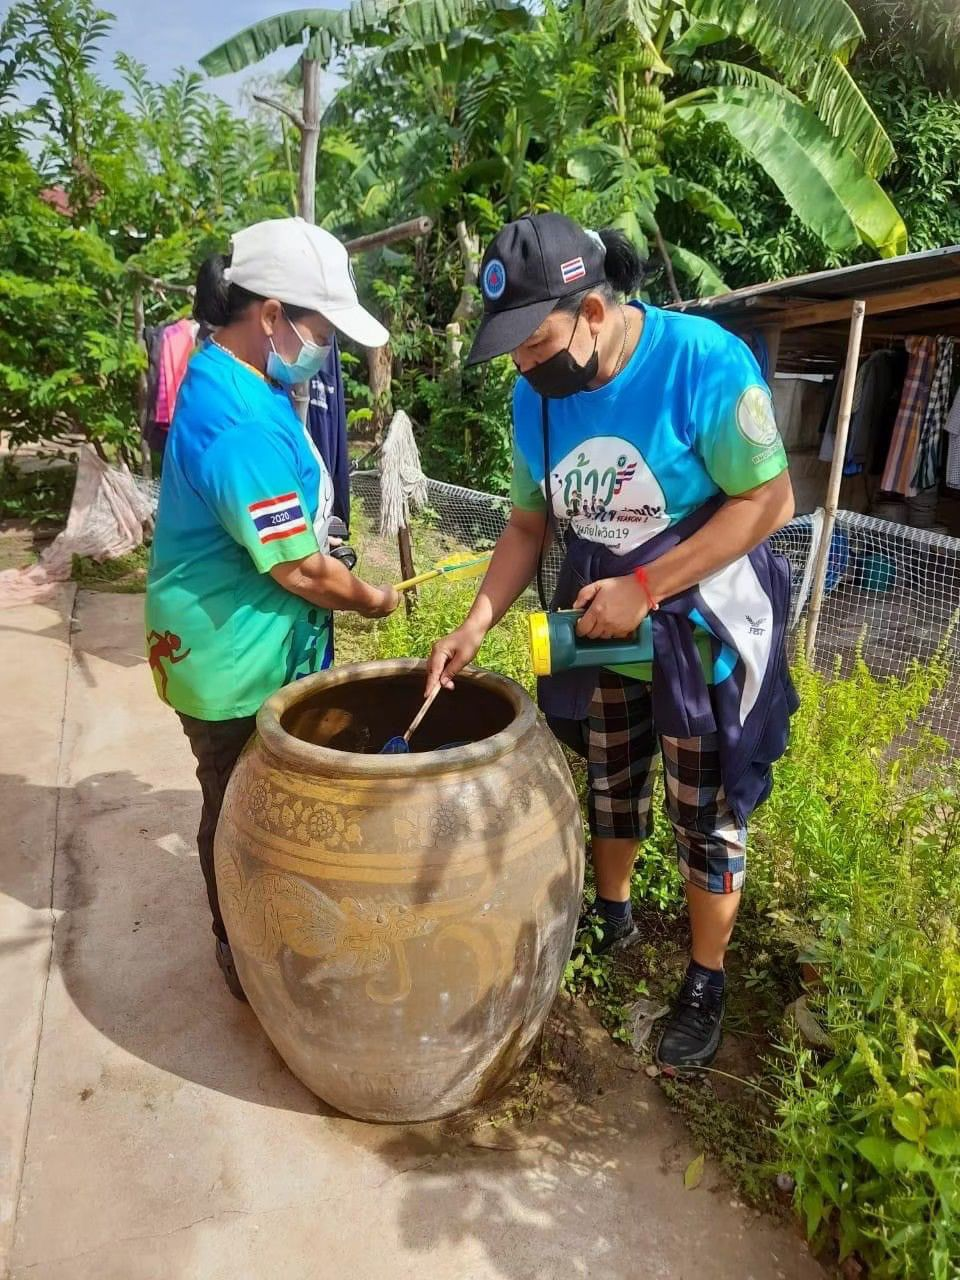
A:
640,574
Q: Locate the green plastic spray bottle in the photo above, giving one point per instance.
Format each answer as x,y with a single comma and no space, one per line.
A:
555,645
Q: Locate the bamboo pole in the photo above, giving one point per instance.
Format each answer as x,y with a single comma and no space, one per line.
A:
836,475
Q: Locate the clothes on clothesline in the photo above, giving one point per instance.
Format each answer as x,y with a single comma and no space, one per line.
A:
169,348
176,348
927,471
904,456
327,424
952,429
871,393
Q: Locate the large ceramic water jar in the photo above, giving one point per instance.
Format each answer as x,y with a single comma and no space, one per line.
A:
400,922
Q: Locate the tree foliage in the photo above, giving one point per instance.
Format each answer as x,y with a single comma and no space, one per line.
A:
146,180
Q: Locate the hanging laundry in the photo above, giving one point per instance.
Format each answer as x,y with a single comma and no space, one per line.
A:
169,348
927,472
902,458
870,394
327,424
177,346
882,430
154,434
952,428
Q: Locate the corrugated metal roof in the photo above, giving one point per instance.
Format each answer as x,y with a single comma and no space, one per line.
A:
859,281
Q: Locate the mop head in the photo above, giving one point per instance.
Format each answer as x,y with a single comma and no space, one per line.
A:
403,486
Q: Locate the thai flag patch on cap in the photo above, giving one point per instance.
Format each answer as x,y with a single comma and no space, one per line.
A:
278,517
572,270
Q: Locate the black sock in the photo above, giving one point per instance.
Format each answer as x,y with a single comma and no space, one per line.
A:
617,913
713,979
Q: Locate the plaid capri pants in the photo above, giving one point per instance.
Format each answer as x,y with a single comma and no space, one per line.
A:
621,760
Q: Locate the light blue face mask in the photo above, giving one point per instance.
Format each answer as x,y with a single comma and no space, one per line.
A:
311,360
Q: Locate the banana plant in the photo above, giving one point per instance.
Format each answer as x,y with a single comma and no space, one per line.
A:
795,109
406,25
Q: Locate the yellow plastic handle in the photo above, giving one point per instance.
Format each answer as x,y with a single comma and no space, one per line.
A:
415,582
539,644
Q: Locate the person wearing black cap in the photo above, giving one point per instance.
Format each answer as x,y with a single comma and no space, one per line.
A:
645,439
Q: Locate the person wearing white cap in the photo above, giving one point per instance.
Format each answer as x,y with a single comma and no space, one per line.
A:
241,587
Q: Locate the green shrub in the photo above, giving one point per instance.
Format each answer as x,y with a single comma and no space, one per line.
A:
856,856
440,609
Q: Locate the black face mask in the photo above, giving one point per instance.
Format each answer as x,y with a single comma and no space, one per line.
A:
561,375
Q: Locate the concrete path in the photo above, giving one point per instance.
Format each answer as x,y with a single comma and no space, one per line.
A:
149,1130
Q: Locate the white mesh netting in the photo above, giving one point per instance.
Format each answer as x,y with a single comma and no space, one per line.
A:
110,511
894,589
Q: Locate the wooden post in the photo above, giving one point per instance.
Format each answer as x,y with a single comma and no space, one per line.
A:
407,569
307,195
139,328
836,476
772,337
309,139
380,376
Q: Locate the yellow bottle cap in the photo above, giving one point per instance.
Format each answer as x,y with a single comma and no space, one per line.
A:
539,644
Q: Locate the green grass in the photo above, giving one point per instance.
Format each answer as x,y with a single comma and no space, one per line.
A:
126,575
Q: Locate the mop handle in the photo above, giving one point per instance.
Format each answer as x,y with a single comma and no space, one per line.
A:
427,704
456,567
415,582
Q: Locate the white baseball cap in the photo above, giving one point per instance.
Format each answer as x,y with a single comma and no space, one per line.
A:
305,266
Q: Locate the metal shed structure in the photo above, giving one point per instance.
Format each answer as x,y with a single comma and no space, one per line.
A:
806,319
901,597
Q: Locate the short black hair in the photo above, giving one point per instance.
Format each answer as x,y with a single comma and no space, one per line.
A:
623,266
218,302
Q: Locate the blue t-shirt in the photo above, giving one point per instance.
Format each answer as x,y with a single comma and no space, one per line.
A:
688,417
243,489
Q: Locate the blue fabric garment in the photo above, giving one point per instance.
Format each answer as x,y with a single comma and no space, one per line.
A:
745,609
327,424
243,490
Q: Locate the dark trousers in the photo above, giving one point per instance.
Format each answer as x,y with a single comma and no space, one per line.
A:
216,744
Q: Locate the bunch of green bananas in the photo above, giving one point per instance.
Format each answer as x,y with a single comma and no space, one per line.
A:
648,106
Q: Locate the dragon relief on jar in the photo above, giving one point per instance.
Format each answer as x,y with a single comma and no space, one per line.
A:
348,938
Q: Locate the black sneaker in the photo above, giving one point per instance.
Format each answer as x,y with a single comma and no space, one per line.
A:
229,970
692,1033
605,935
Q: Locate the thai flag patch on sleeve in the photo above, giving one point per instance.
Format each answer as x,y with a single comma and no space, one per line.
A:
572,270
278,517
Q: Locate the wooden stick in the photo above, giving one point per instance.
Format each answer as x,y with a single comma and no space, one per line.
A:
139,325
163,286
427,704
407,567
309,139
411,230
836,475
668,266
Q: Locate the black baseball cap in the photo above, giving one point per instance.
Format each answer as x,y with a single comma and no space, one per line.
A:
532,264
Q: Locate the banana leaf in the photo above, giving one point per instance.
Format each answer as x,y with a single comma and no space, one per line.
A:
823,182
